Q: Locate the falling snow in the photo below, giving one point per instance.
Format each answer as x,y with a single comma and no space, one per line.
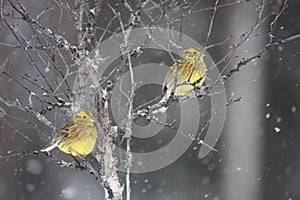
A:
30,187
40,62
277,129
293,109
34,167
68,193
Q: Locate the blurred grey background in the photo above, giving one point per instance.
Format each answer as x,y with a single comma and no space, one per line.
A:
257,151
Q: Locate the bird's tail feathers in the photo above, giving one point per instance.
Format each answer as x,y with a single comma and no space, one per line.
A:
49,147
159,107
164,99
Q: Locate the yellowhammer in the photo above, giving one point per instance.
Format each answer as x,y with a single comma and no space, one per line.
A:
77,136
189,71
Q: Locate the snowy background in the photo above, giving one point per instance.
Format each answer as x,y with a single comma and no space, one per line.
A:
257,154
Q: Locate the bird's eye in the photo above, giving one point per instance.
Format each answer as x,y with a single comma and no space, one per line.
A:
84,117
195,52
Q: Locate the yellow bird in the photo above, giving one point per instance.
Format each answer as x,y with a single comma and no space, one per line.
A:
77,136
189,71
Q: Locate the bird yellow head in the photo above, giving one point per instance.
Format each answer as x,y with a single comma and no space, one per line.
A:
192,55
84,116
